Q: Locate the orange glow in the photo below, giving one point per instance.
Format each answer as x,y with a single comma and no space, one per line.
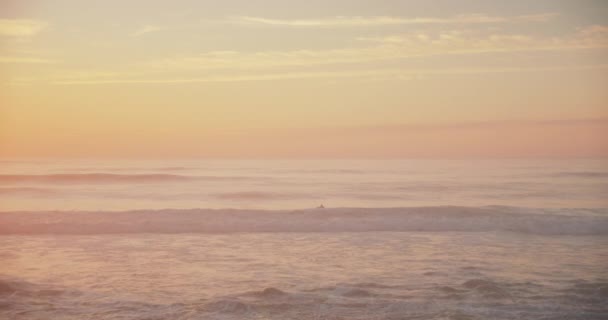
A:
161,82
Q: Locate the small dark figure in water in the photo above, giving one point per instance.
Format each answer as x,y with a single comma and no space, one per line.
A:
321,207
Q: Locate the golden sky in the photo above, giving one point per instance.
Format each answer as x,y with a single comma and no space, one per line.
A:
258,79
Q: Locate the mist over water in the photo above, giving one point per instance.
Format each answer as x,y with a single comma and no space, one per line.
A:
415,239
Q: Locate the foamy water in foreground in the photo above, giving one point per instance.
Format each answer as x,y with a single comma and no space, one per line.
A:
399,240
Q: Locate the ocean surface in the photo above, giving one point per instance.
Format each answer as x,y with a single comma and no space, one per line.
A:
397,239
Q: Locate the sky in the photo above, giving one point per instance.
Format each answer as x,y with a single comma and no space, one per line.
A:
303,79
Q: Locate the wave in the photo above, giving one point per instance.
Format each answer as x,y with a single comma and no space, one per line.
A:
257,195
96,178
27,191
472,298
13,286
432,219
127,169
483,298
36,192
584,174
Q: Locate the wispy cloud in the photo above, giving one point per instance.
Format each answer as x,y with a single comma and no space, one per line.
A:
9,59
589,36
361,21
145,29
231,66
376,74
391,47
471,42
21,27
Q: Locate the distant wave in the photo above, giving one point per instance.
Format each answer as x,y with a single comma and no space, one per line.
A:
93,178
331,171
172,168
434,219
584,174
127,169
27,191
257,195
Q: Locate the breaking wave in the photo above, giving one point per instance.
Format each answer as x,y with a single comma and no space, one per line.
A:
433,219
476,298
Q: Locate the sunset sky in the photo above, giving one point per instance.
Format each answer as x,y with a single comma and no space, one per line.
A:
303,79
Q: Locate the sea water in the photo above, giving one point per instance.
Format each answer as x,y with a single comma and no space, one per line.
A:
397,239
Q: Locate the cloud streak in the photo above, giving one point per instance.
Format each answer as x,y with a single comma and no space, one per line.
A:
361,21
403,74
145,29
235,66
21,27
9,59
392,47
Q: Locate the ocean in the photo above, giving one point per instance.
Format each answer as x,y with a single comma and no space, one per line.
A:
232,239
